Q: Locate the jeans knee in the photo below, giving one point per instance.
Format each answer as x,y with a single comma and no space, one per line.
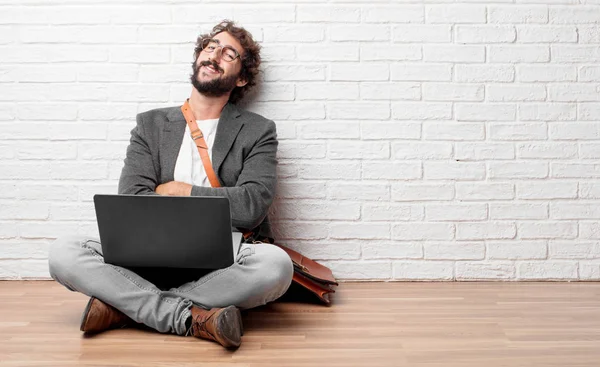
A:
278,268
285,268
62,257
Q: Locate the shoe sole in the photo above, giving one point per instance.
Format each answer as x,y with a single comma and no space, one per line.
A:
230,322
85,314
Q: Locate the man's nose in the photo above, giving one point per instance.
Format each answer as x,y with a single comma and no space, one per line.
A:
216,55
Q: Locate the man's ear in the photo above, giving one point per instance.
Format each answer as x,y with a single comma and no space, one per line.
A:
241,82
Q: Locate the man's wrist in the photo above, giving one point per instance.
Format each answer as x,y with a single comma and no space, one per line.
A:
186,189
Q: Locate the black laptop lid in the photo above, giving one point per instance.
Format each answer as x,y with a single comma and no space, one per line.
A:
165,231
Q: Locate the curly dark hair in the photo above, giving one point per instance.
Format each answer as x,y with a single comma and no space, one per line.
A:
250,60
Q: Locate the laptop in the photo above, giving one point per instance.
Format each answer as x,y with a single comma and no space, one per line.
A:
144,231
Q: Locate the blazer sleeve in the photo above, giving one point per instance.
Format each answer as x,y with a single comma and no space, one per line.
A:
254,190
138,176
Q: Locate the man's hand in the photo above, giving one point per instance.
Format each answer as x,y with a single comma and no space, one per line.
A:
174,188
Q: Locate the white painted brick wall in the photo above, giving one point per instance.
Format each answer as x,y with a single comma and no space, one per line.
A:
419,140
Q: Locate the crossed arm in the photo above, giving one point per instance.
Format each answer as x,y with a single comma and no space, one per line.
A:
249,199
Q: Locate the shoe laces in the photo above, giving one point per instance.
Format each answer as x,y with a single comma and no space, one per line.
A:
199,325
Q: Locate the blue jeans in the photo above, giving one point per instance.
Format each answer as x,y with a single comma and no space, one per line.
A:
260,274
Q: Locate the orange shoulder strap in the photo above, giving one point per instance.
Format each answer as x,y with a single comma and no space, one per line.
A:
198,138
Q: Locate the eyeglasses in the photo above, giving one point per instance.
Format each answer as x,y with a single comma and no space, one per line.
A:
228,53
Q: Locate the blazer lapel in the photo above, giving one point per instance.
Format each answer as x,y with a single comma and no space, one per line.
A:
227,130
170,144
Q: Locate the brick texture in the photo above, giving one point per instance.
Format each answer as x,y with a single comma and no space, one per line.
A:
419,140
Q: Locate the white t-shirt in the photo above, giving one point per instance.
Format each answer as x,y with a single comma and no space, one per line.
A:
189,168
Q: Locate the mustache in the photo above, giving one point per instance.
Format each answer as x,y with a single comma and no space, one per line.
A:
213,64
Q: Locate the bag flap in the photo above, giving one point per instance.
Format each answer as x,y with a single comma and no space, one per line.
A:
310,268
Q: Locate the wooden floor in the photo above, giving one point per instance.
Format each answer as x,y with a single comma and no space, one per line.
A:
369,324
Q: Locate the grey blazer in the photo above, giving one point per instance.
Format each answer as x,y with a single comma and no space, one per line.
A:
243,157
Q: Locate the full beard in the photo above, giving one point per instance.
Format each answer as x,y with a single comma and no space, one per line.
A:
216,87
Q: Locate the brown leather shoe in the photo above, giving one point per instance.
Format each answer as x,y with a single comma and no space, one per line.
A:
223,325
99,316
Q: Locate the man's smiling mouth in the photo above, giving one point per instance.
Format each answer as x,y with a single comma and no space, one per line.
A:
211,69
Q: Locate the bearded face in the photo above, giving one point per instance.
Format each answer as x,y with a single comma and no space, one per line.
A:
209,79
